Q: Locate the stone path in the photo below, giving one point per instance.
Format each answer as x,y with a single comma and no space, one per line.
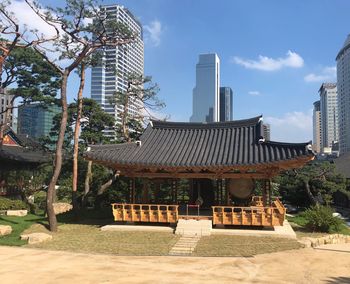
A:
184,246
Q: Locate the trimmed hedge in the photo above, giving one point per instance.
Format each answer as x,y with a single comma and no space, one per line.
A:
9,204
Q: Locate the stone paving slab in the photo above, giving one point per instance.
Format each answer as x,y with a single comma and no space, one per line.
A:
137,228
285,231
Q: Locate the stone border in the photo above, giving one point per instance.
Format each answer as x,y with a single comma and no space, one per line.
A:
330,239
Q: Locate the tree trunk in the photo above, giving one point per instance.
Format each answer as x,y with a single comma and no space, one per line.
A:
76,138
103,188
87,183
309,193
51,191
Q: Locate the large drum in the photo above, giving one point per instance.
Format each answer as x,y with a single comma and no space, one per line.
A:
241,188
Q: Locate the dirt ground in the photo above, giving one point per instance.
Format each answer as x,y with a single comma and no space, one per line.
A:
331,264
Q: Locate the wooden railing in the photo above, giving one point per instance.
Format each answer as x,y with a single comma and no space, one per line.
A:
145,213
250,216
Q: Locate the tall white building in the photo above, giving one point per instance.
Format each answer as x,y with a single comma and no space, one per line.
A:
206,93
343,83
5,102
329,115
317,132
116,63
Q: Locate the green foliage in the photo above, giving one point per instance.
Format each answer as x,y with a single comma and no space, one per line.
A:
314,183
321,219
40,199
36,80
9,204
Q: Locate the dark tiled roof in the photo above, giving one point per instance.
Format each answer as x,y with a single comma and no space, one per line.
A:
27,150
180,144
22,154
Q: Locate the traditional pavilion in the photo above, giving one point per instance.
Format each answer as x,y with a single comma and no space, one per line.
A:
19,152
224,162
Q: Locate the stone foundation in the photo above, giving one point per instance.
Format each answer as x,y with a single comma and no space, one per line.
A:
330,239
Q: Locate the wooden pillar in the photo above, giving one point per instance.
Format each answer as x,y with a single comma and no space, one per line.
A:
270,192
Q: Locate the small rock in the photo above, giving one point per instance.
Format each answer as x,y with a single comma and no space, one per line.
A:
5,230
36,238
19,213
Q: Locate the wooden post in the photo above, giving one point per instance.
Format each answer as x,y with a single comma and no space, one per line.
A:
270,192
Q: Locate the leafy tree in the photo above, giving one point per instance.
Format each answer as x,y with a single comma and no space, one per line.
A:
78,20
313,184
140,95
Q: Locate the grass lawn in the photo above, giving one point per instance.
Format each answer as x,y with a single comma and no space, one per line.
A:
89,239
220,245
18,224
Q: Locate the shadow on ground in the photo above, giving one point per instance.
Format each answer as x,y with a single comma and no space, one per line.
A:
338,280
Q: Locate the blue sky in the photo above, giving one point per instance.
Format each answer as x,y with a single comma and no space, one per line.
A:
274,54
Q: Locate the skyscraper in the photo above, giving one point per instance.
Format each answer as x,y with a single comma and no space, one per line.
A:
206,93
343,83
36,120
267,131
226,104
5,101
117,62
317,136
329,114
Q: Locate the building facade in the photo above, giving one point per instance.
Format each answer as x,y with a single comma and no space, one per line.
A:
36,120
116,64
5,102
267,131
316,123
226,104
206,93
343,83
329,115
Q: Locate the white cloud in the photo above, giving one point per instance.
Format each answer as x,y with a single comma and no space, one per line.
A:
254,93
153,32
27,18
326,74
292,60
291,127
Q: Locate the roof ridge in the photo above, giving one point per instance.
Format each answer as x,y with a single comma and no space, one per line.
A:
201,125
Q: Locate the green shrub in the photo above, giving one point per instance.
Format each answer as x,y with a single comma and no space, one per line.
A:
321,219
9,204
40,199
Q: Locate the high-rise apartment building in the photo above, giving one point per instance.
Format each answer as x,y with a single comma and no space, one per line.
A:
343,83
206,93
317,132
5,102
267,131
329,114
36,120
116,63
226,104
